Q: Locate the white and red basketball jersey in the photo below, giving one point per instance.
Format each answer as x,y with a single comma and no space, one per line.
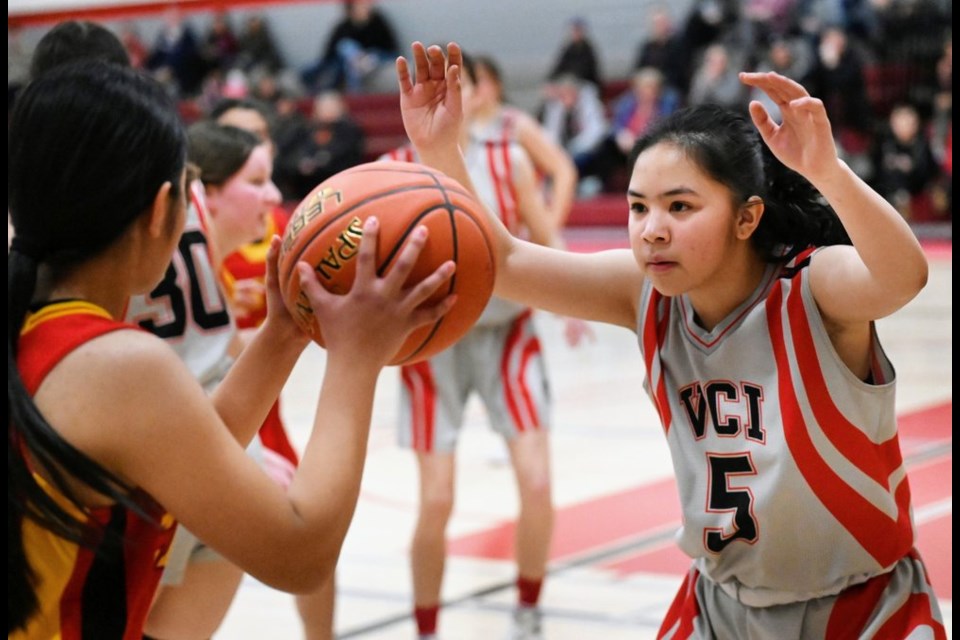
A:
187,308
502,127
788,466
491,165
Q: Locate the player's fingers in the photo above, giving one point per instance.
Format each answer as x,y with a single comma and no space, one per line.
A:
762,120
813,109
420,62
310,284
437,63
397,276
403,75
367,253
454,54
422,291
431,313
273,259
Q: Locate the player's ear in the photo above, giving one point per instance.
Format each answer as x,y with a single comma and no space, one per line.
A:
748,217
161,209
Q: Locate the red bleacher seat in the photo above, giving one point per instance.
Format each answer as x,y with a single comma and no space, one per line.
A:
605,209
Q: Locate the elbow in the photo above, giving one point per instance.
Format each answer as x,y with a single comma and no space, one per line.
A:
305,578
912,283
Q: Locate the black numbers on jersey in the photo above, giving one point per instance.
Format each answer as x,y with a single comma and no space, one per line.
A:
722,497
209,311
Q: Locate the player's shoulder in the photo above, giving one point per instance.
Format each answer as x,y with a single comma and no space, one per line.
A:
128,355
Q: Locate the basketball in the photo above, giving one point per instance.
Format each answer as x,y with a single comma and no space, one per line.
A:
326,229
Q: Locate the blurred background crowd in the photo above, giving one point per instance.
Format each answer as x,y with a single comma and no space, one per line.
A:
883,68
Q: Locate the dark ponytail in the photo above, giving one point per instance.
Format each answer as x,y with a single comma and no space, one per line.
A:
88,147
796,215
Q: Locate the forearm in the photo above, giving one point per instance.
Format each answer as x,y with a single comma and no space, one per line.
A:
884,241
255,380
327,484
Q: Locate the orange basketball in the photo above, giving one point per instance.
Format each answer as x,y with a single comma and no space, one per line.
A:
326,228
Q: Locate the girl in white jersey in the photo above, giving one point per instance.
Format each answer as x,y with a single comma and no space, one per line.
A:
755,319
500,360
493,119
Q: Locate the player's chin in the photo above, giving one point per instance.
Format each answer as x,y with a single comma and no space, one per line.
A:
667,285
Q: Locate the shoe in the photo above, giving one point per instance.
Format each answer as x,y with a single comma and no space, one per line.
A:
526,624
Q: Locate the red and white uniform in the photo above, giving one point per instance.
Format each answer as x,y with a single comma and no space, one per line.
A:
500,358
187,308
789,471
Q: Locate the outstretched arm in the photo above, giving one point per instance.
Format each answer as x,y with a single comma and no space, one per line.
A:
886,266
603,286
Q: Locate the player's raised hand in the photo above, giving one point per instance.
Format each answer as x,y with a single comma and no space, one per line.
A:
803,141
430,101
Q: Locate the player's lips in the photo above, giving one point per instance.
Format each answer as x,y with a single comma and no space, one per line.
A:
657,264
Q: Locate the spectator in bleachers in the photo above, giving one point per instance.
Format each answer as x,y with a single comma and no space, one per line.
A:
578,56
837,78
133,43
257,51
904,162
359,45
912,37
666,51
573,116
716,80
493,119
941,130
791,58
175,58
647,100
709,21
220,45
331,142
857,18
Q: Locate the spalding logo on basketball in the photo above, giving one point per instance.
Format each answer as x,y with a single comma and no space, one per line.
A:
326,230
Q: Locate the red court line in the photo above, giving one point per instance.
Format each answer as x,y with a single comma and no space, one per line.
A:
925,425
646,510
935,543
929,483
941,249
667,560
588,525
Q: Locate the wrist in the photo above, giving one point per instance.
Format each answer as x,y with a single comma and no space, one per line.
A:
831,176
284,333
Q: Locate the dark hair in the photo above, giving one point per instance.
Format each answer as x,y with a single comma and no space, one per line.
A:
88,148
76,40
492,68
265,109
219,151
726,145
470,67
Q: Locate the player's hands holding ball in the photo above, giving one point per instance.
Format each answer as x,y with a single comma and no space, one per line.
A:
278,316
370,323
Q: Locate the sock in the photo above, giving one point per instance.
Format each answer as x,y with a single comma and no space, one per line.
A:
529,591
426,619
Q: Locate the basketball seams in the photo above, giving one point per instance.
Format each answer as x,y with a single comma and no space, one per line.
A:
457,204
307,241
